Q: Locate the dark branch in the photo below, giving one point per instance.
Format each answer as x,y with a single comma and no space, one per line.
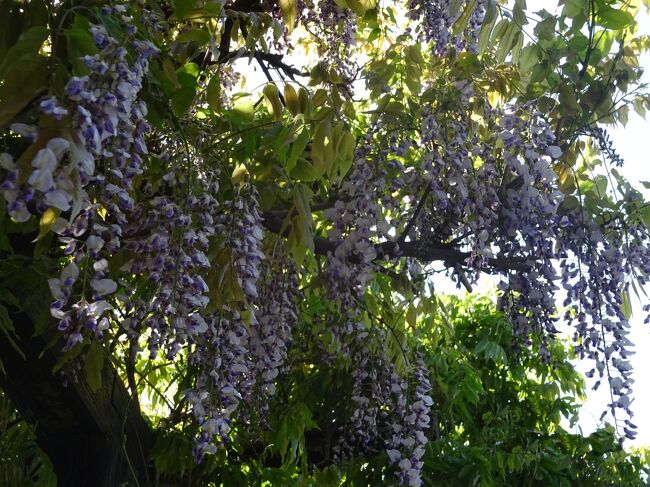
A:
274,60
423,251
414,216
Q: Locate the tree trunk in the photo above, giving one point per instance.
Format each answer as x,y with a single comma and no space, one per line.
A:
92,438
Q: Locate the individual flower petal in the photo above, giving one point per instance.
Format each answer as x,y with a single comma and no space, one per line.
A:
51,106
104,286
45,159
71,271
94,243
58,199
41,179
96,309
56,288
30,132
554,151
7,162
18,211
58,146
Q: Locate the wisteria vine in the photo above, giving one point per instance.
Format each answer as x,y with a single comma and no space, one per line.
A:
172,252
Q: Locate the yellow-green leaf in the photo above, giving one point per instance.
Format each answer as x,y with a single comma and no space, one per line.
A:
461,23
626,305
239,174
322,151
48,218
213,94
291,99
360,7
288,10
273,96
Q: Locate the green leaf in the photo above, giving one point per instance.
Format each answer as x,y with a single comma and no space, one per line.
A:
614,19
626,304
272,94
301,200
568,102
48,218
213,93
93,365
199,36
183,98
291,99
322,150
360,7
243,111
507,41
529,58
489,21
28,43
297,149
183,8
346,154
79,43
645,216
304,171
288,10
575,8
517,45
461,23
518,14
23,82
7,327
545,30
192,69
412,316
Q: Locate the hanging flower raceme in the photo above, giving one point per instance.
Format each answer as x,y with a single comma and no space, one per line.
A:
227,354
436,23
168,239
408,441
86,174
271,334
500,197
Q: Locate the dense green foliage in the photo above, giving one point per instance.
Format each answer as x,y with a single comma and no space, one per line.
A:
500,419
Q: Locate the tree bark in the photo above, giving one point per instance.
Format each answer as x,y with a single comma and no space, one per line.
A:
92,438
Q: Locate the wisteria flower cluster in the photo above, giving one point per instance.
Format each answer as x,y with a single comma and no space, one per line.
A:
244,346
409,439
436,21
96,161
272,334
165,249
383,406
391,408
500,197
168,240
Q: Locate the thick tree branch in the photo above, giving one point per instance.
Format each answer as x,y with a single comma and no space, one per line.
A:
423,251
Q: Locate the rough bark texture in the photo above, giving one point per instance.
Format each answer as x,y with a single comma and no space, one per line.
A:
92,438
